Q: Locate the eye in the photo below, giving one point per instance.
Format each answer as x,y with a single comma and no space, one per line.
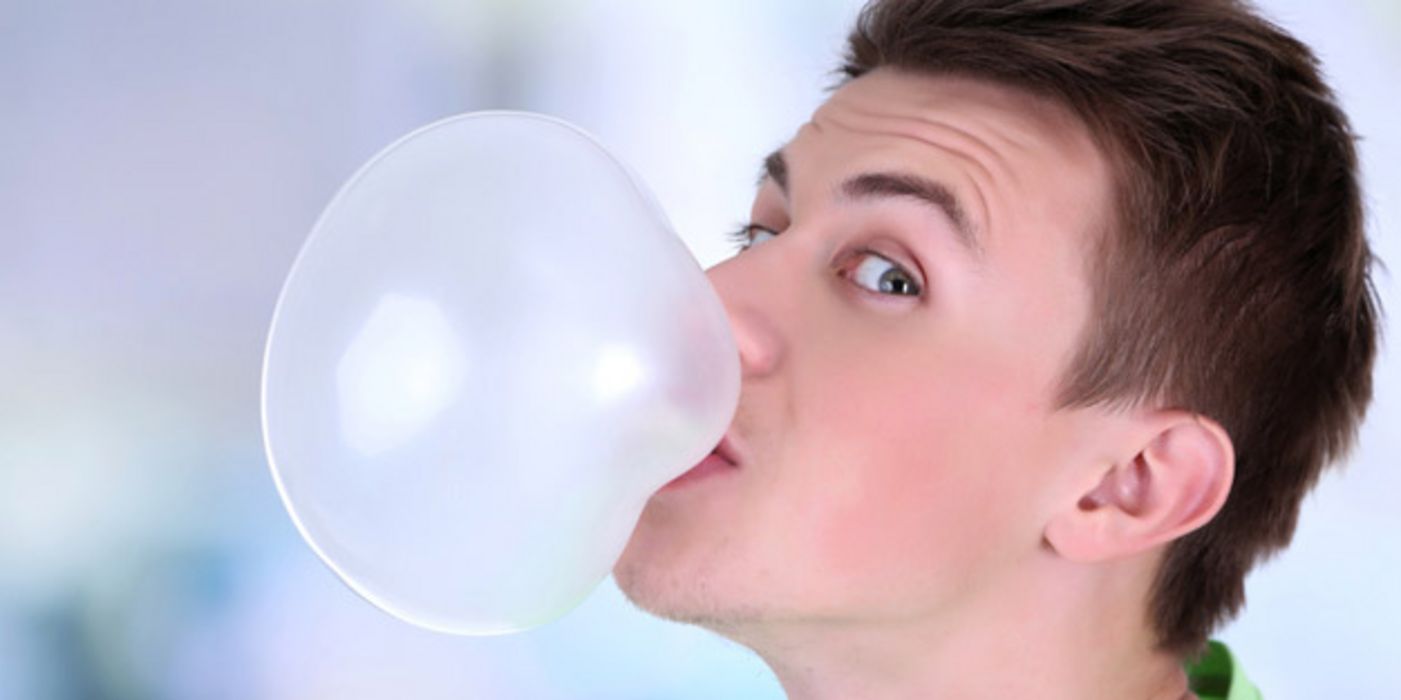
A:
743,237
876,273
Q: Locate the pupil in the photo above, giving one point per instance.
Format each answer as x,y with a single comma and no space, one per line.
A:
895,284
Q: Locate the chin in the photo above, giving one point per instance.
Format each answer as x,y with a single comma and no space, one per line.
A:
678,594
650,585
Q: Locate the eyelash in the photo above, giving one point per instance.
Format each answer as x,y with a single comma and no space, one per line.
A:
742,238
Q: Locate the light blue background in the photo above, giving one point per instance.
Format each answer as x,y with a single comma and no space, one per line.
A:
160,164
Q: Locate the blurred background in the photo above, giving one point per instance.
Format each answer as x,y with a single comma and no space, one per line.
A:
160,165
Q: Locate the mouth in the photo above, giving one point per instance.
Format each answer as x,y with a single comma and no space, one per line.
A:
725,458
726,450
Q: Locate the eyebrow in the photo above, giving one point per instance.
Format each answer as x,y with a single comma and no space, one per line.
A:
880,185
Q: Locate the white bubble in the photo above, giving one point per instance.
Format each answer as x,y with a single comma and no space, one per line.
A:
491,350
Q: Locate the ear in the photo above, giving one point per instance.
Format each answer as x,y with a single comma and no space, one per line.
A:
1172,479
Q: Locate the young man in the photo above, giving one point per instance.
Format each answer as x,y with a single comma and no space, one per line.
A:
1048,319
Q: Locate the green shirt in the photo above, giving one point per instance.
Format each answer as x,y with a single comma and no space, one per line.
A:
1217,676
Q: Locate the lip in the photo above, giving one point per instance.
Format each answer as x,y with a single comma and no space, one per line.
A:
725,457
727,450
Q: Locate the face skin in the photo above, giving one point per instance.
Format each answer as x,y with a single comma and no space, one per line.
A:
901,459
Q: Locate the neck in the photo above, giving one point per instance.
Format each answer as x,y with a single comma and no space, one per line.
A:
1074,632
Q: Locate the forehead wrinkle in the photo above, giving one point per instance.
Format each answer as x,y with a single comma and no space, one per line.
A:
1024,121
891,125
985,211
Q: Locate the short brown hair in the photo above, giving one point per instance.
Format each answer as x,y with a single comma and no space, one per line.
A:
1235,278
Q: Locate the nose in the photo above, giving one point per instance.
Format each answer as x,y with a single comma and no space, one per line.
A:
751,322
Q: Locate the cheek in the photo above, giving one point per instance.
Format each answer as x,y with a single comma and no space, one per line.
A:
910,486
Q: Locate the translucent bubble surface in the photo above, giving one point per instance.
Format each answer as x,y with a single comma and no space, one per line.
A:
490,351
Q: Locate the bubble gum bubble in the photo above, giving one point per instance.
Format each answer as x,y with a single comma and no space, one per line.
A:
489,353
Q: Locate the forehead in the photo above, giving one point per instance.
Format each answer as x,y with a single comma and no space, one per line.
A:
1012,157
1010,116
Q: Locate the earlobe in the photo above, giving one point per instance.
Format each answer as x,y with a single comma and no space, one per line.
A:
1174,482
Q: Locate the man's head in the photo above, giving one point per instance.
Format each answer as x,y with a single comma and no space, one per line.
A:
1051,286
